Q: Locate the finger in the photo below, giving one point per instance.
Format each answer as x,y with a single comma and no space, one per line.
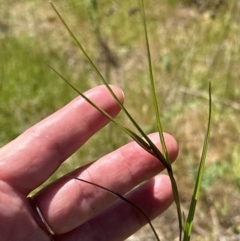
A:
37,153
121,220
119,171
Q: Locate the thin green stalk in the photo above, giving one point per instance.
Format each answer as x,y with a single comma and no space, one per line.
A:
189,222
159,125
153,89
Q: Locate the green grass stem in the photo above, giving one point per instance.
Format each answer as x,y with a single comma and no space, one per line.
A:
158,122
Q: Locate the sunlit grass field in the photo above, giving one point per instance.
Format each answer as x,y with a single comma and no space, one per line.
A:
190,45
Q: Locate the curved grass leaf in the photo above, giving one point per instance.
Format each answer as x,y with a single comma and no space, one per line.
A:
123,198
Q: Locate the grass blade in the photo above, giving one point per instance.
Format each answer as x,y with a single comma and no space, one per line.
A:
158,122
124,199
154,149
193,204
153,89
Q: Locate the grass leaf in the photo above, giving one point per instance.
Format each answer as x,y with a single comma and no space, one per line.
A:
189,222
158,122
124,199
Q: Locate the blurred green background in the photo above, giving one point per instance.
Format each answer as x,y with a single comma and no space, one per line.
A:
192,42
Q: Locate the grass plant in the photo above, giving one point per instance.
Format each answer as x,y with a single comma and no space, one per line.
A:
143,139
190,48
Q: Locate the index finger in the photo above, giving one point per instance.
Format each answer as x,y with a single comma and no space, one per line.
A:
38,152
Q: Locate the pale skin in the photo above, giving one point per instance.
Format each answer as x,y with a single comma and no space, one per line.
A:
70,206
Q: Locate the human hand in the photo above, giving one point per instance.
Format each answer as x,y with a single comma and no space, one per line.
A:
76,210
